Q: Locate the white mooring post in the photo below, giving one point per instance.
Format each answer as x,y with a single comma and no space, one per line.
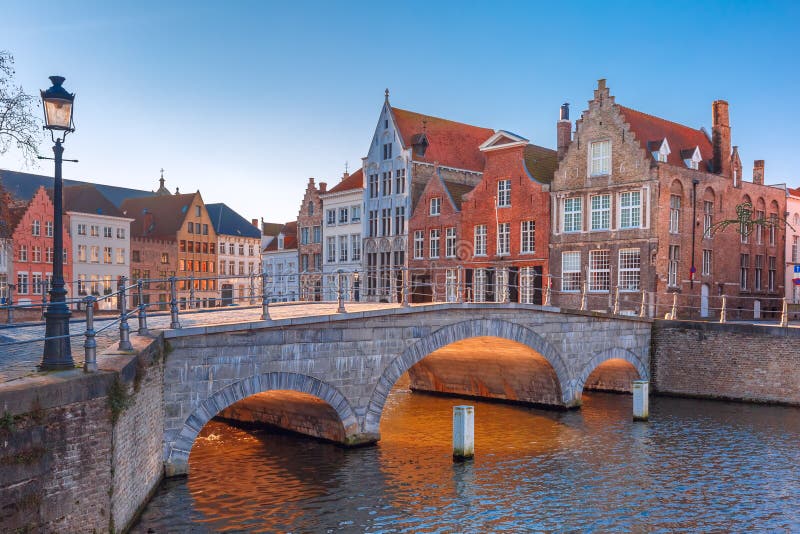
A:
641,400
463,432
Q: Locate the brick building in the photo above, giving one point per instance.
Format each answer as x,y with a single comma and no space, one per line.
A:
309,242
632,202
238,253
792,290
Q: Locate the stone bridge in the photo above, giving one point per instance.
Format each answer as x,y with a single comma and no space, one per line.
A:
351,362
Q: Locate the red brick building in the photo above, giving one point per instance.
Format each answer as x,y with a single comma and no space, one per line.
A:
32,240
309,242
506,222
632,202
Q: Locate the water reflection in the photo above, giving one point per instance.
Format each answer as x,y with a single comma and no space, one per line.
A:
697,465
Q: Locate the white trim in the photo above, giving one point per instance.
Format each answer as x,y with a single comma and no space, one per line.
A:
489,145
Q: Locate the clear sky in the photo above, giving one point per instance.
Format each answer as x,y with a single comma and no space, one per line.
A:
246,100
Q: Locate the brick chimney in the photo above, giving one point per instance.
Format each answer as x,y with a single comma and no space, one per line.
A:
758,172
721,137
254,222
323,187
563,131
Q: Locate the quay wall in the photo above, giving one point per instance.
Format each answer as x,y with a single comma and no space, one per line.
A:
743,362
82,452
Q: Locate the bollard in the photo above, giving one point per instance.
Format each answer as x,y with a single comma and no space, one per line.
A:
642,309
723,312
264,300
405,279
641,400
124,329
142,309
785,313
173,304
90,345
583,297
616,301
341,292
463,433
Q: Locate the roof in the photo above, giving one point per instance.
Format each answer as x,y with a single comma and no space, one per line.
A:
23,186
289,232
272,229
228,222
450,143
87,199
540,162
680,137
456,191
168,214
349,183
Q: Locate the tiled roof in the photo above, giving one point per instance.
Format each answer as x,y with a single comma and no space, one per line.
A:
354,181
272,229
87,199
23,186
457,190
649,128
168,213
541,162
228,222
289,232
452,144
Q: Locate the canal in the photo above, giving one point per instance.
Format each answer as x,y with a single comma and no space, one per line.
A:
696,466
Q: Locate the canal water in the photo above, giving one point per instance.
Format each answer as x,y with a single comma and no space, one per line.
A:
700,466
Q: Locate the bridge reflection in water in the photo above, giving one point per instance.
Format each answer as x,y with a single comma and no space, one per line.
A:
696,465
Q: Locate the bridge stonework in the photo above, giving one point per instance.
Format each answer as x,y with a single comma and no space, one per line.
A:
352,361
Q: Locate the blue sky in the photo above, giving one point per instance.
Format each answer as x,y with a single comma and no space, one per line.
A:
246,100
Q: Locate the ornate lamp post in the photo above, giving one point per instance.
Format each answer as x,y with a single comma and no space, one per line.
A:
58,119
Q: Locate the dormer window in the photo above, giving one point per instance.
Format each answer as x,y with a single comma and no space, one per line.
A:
436,205
660,150
420,144
691,157
280,242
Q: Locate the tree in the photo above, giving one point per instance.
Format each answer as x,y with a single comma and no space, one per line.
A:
19,126
745,223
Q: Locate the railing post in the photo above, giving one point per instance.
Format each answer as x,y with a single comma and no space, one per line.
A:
673,312
264,300
142,308
548,297
616,301
723,312
460,284
642,309
10,303
173,304
583,297
341,309
406,281
124,328
785,313
90,345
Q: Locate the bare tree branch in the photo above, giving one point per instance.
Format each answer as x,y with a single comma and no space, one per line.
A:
19,124
745,222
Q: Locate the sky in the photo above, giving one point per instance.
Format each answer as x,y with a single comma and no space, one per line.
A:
245,101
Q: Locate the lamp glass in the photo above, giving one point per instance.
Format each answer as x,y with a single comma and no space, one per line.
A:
58,114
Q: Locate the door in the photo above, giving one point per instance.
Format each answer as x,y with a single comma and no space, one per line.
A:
537,285
704,291
227,294
756,309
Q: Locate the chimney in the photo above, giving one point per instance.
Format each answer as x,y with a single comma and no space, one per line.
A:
721,137
758,172
563,131
323,187
254,222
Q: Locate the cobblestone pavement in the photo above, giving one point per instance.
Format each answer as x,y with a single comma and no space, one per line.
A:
19,360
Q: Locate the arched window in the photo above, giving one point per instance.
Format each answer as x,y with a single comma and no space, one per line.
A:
310,209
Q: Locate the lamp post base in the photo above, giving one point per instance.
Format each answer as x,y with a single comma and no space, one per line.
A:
57,347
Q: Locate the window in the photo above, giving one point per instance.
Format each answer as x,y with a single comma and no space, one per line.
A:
387,151
135,256
120,233
343,215
759,228
23,253
81,229
37,254
419,245
503,193
573,214
601,212
107,232
36,228
481,277
400,181
232,247
759,270
399,220
706,262
450,242
451,285
773,222
330,217
480,240
94,231
205,229
373,185
744,236
527,278
355,213
629,269
222,267
241,267
107,254
571,271
599,270
82,285
600,157
318,262
672,266
231,267
94,254
744,267
190,227
674,213
528,233
310,209
373,223
251,251
386,221
795,243
503,239
386,183
355,244
48,228
121,256
197,211
22,283
436,206
434,243
708,220
164,257
36,283
630,209
343,248
49,254
317,235
304,236
331,247
771,273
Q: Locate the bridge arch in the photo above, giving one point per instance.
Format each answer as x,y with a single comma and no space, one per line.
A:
616,353
177,453
457,332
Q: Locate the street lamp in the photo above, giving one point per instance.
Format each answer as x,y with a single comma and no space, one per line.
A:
58,119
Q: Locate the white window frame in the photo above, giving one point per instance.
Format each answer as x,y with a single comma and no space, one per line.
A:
600,158
435,236
419,244
600,212
330,247
504,239
629,269
436,206
571,271
504,193
708,218
527,240
744,271
600,271
674,214
479,284
573,214
450,242
629,210
479,241
708,256
673,265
